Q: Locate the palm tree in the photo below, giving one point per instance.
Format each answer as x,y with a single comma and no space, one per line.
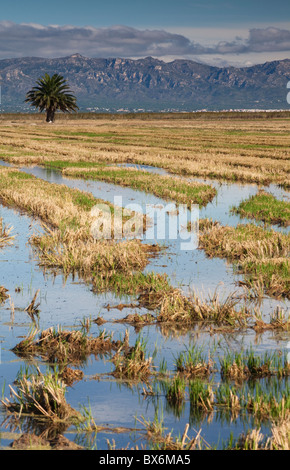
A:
52,93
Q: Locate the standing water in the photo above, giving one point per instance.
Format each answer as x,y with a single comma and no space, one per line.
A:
67,302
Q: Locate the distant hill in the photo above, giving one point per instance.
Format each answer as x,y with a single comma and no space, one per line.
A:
149,84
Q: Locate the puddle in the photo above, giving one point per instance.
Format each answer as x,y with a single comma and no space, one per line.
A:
67,303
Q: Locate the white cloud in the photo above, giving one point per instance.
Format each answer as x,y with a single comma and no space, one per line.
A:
29,39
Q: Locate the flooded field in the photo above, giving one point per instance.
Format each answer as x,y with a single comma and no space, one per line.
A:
223,378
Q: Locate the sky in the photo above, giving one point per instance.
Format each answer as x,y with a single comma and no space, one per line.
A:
217,32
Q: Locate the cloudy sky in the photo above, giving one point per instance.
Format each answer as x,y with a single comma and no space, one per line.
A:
218,32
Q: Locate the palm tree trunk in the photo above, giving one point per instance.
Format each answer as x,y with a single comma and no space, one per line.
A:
50,114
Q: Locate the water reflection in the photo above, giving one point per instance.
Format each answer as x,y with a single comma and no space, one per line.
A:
67,303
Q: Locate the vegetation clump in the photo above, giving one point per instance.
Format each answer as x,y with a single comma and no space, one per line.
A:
278,321
40,395
65,346
254,439
201,396
131,363
171,306
30,441
3,294
192,363
159,440
174,306
247,365
70,376
265,207
262,255
175,393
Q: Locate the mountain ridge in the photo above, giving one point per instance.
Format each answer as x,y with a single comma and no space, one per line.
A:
150,84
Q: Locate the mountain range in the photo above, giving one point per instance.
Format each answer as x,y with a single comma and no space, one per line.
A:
150,84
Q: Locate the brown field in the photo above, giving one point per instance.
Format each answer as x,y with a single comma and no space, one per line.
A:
247,149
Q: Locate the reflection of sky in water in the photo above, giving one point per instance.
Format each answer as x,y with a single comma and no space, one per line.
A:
189,269
132,404
68,303
60,303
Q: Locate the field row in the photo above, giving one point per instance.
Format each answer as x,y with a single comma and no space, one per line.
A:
232,150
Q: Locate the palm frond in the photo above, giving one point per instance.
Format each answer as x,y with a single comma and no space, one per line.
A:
52,93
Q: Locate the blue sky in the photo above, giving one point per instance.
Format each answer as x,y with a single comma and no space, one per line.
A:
148,13
213,31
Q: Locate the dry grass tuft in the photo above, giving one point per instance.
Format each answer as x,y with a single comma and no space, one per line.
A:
279,440
160,440
131,363
278,321
88,256
40,395
237,372
3,294
5,235
173,306
192,363
70,376
65,346
30,441
262,255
